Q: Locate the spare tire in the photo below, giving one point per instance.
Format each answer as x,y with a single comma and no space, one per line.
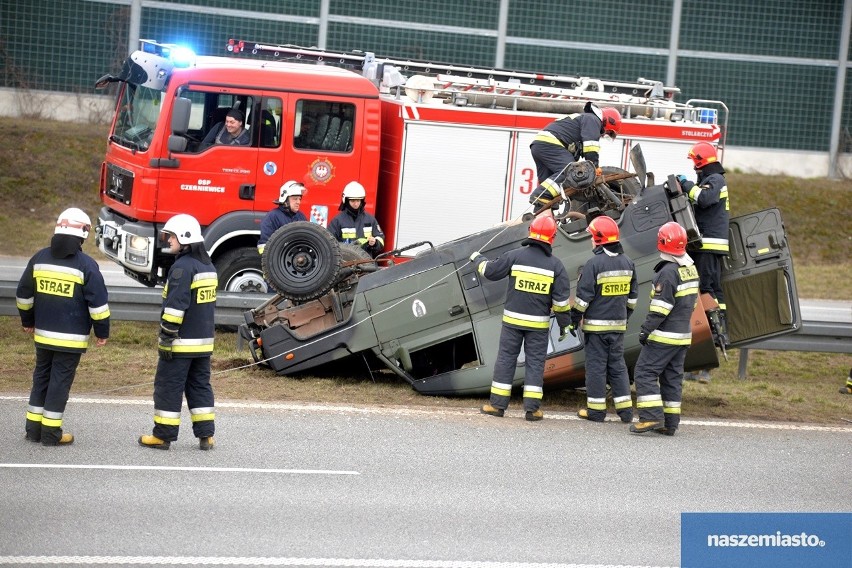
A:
301,261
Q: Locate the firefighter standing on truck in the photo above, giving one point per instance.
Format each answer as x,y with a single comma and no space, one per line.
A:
666,334
61,296
353,224
538,285
186,338
567,140
709,197
289,201
606,296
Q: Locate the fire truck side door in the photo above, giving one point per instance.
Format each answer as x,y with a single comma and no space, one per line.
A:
269,118
211,178
321,140
758,279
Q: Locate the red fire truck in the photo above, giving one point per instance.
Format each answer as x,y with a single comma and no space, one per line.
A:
442,150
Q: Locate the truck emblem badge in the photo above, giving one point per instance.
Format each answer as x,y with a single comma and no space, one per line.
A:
418,308
269,168
319,215
322,170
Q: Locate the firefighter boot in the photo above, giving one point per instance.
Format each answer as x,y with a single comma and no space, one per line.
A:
593,417
723,329
64,439
491,411
534,415
153,442
642,427
206,443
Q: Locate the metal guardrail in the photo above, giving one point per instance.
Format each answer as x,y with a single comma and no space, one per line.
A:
823,330
143,304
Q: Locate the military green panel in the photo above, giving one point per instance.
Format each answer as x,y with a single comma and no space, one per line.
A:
757,305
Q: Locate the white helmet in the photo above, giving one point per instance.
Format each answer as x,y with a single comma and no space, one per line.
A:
290,188
354,190
74,222
185,228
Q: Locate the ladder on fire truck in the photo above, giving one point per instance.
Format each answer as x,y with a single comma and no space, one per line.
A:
482,86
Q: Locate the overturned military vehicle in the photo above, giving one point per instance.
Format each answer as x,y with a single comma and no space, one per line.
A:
433,322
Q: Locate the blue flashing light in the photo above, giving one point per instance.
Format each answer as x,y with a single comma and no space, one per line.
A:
182,56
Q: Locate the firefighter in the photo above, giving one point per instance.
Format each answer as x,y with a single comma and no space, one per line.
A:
289,201
666,335
61,297
606,296
185,342
538,284
353,224
709,197
231,131
848,388
567,140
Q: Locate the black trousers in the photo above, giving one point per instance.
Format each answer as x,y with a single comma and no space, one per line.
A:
52,379
189,376
534,343
658,377
709,266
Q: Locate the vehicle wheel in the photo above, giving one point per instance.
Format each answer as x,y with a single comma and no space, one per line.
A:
240,270
301,261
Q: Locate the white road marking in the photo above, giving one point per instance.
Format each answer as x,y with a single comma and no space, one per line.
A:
472,412
278,561
175,468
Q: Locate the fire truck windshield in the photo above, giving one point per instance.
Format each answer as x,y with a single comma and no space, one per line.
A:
138,113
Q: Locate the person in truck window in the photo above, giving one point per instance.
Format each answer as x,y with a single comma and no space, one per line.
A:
231,131
354,225
567,140
287,211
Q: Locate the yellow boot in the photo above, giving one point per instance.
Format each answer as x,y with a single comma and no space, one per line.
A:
153,442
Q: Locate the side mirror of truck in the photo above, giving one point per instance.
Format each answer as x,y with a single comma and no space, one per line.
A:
180,116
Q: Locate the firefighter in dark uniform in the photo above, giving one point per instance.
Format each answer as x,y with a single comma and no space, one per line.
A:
710,202
606,296
61,297
289,202
567,140
538,284
353,224
186,338
666,335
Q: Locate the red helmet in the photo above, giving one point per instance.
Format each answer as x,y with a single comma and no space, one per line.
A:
671,239
611,122
703,153
543,228
604,230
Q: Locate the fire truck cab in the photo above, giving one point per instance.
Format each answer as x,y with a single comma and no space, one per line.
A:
442,151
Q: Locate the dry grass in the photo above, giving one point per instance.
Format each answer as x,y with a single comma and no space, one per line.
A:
795,387
54,165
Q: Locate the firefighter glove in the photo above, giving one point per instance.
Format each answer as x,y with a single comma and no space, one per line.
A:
164,346
643,338
566,330
474,255
681,179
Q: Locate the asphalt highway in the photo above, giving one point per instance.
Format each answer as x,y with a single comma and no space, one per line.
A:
298,485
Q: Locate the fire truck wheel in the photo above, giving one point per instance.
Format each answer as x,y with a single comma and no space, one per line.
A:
239,270
301,261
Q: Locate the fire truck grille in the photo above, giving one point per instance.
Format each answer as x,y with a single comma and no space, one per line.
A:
119,184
